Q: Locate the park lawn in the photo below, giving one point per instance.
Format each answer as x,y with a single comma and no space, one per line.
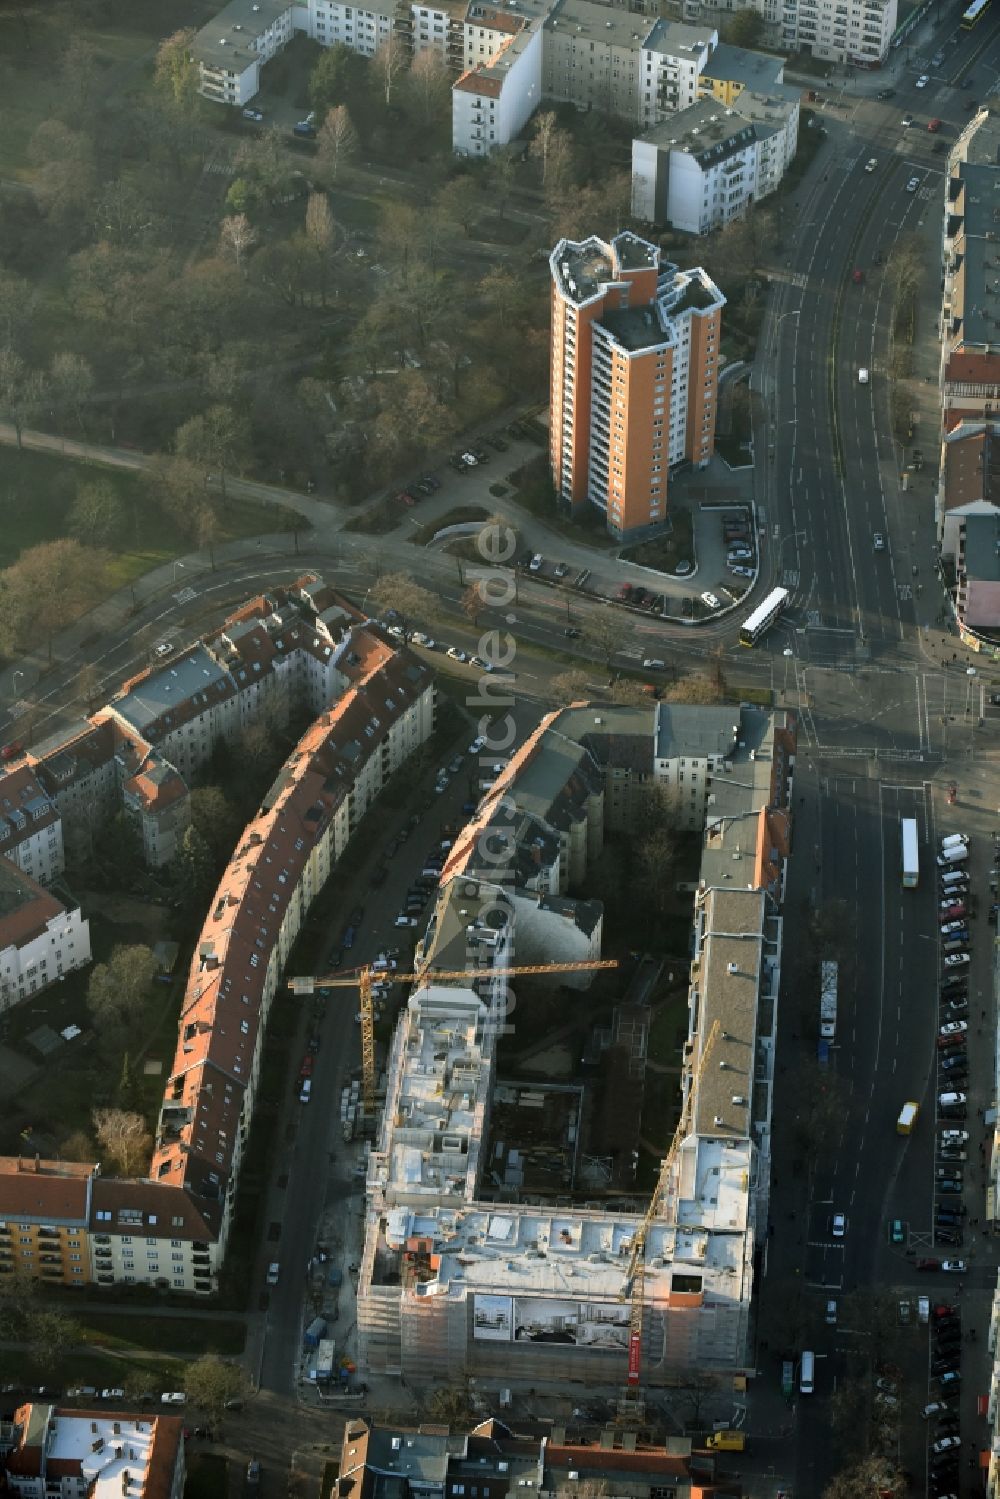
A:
30,85
153,1334
37,491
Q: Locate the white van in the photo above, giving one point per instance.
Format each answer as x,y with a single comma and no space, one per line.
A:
954,855
807,1374
831,1314
305,1092
953,840
953,877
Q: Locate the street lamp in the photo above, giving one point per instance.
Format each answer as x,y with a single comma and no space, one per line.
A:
176,566
17,672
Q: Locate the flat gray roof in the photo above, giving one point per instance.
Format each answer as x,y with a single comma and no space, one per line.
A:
584,21
981,301
169,688
757,70
228,38
737,795
729,982
678,39
696,731
982,548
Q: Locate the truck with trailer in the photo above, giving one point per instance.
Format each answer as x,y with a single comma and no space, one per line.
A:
828,1000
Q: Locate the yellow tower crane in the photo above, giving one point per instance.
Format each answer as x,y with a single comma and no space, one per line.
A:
362,978
633,1286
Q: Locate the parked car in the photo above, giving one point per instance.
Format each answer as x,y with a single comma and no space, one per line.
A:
923,80
957,960
710,601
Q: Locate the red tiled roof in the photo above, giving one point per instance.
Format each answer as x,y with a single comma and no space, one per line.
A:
18,789
156,792
31,906
967,367
474,82
968,469
221,1009
54,1191
166,1208
63,761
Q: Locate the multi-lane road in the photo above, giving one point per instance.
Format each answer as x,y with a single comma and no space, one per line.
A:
857,552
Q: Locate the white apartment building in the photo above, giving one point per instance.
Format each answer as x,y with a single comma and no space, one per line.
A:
77,1454
704,167
856,32
231,50
592,56
672,60
31,834
363,28
493,100
689,750
41,940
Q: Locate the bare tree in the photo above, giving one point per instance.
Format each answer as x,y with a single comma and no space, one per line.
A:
72,381
570,686
871,1475
429,84
22,391
337,141
388,63
118,987
553,147
46,589
237,236
607,632
208,532
320,235
218,436
472,604
695,687
97,515
210,1382
409,599
124,1139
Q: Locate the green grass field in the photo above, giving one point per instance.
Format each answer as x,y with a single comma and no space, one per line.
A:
152,1334
37,491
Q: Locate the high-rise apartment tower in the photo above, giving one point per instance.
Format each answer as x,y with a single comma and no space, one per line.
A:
634,377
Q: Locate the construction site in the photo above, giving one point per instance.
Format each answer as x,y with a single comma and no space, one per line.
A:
496,1247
